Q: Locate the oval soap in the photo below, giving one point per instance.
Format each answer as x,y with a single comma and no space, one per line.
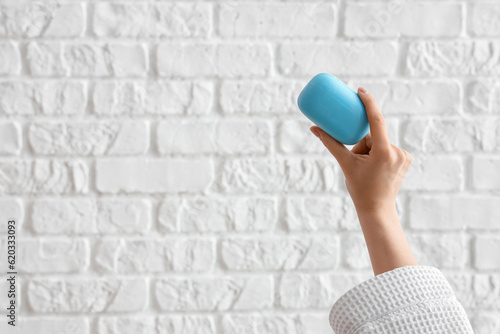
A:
335,108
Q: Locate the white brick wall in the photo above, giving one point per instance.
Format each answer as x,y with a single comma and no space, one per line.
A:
164,180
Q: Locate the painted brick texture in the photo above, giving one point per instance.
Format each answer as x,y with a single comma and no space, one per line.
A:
164,180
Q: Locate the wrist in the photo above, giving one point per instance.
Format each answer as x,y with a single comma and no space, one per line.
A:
376,209
385,239
383,214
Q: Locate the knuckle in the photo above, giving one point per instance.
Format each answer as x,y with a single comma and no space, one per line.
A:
385,151
378,118
398,150
399,155
410,157
407,155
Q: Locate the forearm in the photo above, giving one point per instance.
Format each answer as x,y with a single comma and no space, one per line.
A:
385,239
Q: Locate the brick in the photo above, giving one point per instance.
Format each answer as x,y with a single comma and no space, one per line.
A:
53,255
494,135
119,98
486,292
46,59
152,97
254,97
214,293
461,284
355,252
278,20
208,214
413,96
485,322
178,137
278,175
17,98
105,253
87,60
275,323
126,325
87,295
89,138
319,214
258,323
453,58
11,209
10,57
153,175
392,125
449,135
127,60
44,176
179,324
152,20
120,60
10,138
155,255
51,325
122,19
63,216
43,98
312,323
90,216
448,251
458,212
410,20
484,19
68,21
62,97
123,215
82,59
3,262
314,291
342,58
434,173
482,96
281,253
484,248
209,60
42,19
227,137
234,137
485,173
294,136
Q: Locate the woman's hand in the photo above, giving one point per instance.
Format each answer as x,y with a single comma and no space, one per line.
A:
374,169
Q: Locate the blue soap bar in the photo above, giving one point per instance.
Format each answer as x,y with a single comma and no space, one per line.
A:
335,108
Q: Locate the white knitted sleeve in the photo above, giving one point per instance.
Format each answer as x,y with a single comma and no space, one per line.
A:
410,299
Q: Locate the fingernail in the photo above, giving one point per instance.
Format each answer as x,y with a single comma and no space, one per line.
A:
362,90
315,132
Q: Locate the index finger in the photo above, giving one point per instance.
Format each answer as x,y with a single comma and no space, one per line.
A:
378,126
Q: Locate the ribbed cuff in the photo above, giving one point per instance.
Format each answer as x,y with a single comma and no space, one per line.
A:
386,293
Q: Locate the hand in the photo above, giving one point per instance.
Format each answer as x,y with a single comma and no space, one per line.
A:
374,169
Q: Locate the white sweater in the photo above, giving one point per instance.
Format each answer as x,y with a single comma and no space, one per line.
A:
411,299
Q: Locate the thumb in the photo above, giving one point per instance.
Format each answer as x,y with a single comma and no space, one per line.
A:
336,148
